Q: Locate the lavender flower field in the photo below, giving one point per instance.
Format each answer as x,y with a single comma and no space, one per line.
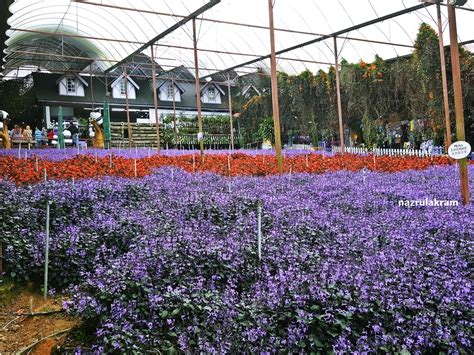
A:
170,263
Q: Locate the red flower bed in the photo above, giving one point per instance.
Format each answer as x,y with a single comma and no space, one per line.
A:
23,171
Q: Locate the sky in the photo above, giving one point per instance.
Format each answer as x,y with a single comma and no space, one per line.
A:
313,17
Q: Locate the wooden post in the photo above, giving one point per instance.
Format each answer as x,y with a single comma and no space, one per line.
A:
338,91
444,77
458,102
155,96
230,114
129,126
198,90
276,110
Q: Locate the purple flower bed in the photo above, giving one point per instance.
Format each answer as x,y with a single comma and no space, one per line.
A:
169,262
53,154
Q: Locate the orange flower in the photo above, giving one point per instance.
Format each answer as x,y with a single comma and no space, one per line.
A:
23,171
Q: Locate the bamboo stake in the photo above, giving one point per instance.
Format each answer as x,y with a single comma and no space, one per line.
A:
46,256
259,230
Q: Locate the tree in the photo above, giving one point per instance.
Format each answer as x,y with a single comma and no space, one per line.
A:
427,91
18,99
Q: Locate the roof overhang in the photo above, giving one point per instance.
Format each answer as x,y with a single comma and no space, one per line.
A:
69,75
117,81
210,83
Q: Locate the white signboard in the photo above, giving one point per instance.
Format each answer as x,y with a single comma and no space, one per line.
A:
459,150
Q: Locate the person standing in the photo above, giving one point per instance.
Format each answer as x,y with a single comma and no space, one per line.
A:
17,134
50,137
44,136
74,133
38,137
27,134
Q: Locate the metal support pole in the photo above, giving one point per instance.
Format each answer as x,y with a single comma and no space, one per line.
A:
92,86
338,91
174,107
198,90
129,126
61,144
458,102
46,254
444,77
230,114
155,96
276,110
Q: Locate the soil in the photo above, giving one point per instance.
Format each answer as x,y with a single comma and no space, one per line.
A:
19,330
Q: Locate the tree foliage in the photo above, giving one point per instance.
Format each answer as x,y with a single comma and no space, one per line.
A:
18,99
373,94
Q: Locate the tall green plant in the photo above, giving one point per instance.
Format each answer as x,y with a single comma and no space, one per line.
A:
266,131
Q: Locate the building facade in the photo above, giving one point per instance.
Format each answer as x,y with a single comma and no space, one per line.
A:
79,94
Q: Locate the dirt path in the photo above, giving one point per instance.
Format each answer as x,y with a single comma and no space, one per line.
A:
19,329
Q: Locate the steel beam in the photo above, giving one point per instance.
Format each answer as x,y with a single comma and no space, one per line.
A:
155,95
338,94
444,76
163,34
198,91
335,34
276,108
129,126
458,101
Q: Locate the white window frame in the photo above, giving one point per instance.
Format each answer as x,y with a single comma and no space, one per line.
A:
123,87
71,87
213,97
170,92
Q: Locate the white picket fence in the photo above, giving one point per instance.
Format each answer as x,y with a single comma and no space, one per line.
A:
434,151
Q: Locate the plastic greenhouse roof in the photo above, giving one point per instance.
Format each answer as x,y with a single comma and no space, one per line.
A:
64,35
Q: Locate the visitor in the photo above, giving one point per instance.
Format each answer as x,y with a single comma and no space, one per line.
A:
27,134
38,137
75,134
44,136
50,136
17,134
